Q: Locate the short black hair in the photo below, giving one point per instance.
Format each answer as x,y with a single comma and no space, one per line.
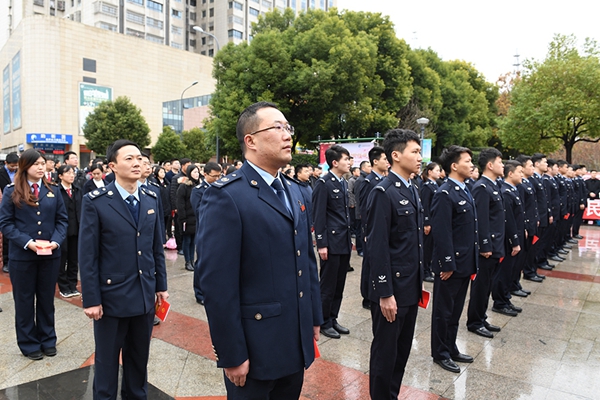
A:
184,161
561,163
317,167
12,158
537,157
522,158
212,166
95,167
146,155
248,121
68,154
451,155
375,153
301,166
511,166
551,162
352,169
396,140
363,163
488,155
113,149
335,153
576,167
428,168
64,168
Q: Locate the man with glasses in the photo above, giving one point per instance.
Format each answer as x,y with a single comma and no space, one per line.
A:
257,265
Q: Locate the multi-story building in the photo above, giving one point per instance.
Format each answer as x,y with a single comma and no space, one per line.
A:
168,22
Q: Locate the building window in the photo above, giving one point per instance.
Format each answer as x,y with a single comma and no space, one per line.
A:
108,9
87,79
330,3
232,33
140,2
303,5
211,28
175,30
236,5
203,13
89,65
211,53
38,3
203,52
155,23
203,41
234,19
322,4
293,4
108,27
155,39
176,45
135,17
266,4
192,16
133,32
254,11
211,12
153,5
176,14
312,4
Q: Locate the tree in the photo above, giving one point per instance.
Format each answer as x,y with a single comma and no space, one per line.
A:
333,75
168,146
557,102
197,146
112,120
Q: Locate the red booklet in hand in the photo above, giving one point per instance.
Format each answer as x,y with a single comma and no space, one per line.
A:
43,248
317,352
162,310
425,297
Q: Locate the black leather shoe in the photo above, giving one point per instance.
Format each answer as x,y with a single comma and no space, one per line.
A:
50,351
463,358
566,247
330,333
572,241
429,278
5,268
551,265
556,258
481,332
448,365
519,293
340,329
189,266
366,304
156,321
491,328
506,311
534,278
515,308
350,269
35,356
578,237
200,301
528,292
561,251
0,309
542,277
545,267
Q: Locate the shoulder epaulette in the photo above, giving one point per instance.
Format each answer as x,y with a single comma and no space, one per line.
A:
153,183
148,191
10,184
367,180
227,179
290,179
94,194
483,184
321,180
445,191
380,188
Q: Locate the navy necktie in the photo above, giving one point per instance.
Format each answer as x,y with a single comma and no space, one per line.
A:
414,193
280,192
469,194
134,207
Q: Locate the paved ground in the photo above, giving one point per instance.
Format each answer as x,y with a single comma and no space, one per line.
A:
550,351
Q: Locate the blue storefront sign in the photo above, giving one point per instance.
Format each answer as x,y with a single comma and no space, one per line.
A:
49,138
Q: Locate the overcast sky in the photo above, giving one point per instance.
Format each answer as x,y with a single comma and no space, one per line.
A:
486,33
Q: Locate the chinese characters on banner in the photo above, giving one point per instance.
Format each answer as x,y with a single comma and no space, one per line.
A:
593,210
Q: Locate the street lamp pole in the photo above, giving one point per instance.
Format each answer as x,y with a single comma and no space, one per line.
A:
422,123
181,102
202,31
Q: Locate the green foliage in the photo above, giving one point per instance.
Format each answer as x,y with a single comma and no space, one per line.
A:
312,159
112,120
557,102
168,146
197,146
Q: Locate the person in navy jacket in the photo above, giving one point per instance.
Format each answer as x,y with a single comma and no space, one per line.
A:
431,174
395,252
455,253
122,266
257,266
490,218
33,211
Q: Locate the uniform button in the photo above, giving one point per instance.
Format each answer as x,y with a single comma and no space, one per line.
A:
493,236
397,274
333,232
139,253
258,317
299,272
298,253
38,213
420,245
108,281
138,234
457,254
295,232
37,203
39,232
216,358
301,294
141,272
39,222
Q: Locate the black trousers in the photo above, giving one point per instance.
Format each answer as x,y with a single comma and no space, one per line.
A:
519,266
34,283
360,241
286,388
502,280
481,288
333,279
69,265
390,350
577,221
529,264
427,252
545,235
561,233
178,232
131,335
448,303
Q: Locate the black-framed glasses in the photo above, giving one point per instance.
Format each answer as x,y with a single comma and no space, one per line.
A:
279,127
215,176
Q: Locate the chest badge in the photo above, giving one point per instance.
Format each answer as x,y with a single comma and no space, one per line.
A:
462,202
404,202
50,194
336,190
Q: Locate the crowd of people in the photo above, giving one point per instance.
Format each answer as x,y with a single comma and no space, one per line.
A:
461,226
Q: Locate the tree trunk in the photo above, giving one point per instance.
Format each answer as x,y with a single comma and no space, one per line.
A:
569,150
